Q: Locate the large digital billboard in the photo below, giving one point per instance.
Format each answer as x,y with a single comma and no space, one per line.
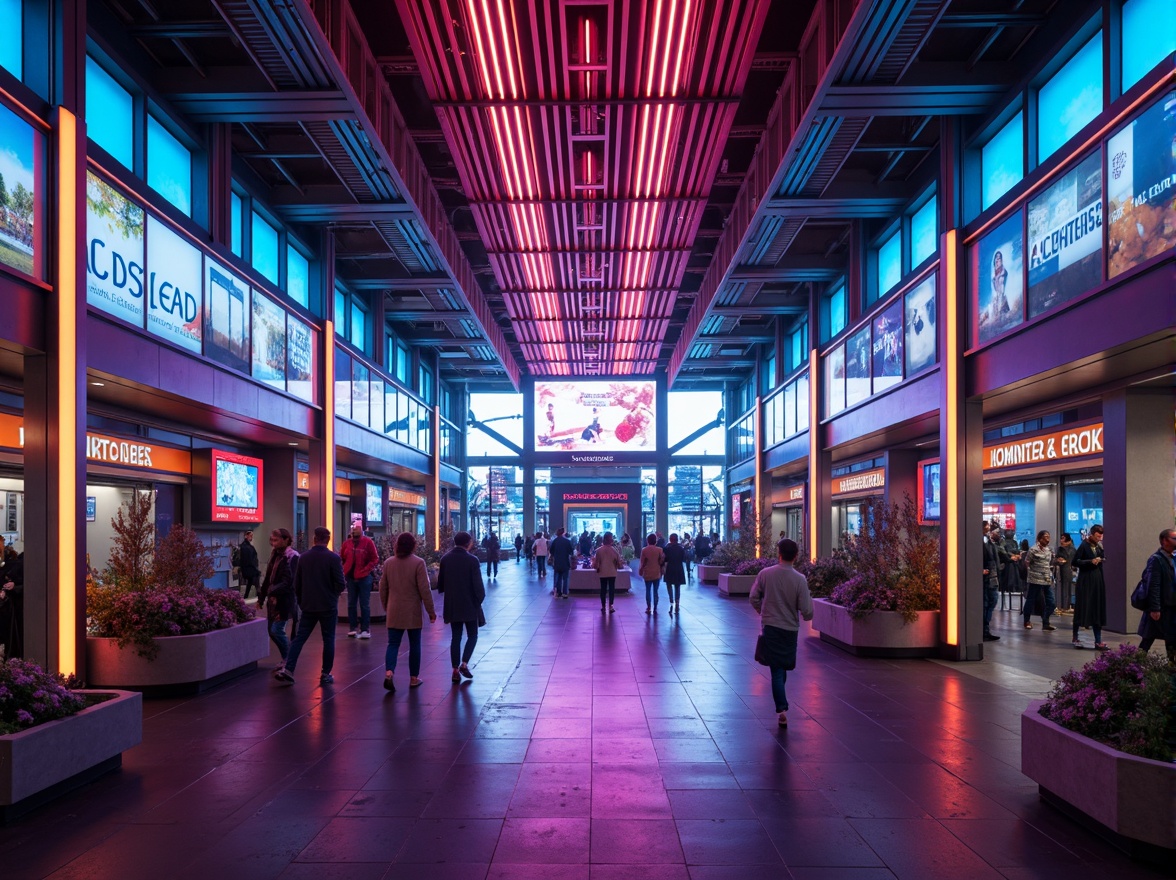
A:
597,420
1066,237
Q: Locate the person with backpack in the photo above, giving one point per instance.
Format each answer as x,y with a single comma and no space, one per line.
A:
1159,617
244,559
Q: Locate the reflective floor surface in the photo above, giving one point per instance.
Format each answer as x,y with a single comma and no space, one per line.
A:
587,746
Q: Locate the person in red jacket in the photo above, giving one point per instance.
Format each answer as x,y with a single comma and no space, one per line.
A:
359,561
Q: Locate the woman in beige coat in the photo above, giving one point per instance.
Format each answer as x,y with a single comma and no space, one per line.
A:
607,561
404,587
653,566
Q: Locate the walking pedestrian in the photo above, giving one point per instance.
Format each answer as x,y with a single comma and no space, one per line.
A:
1159,618
493,550
541,553
404,589
276,595
247,564
1090,593
780,595
460,579
607,562
561,552
318,583
652,567
1039,566
991,583
518,545
360,559
675,572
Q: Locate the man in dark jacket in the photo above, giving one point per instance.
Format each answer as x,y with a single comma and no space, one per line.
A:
318,583
460,579
702,548
247,563
492,547
561,552
1159,620
991,583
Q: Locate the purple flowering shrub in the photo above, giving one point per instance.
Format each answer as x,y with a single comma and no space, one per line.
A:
29,696
753,566
826,573
1121,698
138,617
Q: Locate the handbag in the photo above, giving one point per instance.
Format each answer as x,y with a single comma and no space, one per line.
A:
761,652
481,616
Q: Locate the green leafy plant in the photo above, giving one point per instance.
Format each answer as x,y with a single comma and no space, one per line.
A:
1123,698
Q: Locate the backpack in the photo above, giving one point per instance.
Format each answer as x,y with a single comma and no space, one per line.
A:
235,556
1139,596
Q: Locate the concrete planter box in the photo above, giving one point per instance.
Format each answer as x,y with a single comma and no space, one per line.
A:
736,584
50,759
1128,800
709,574
378,611
184,662
879,633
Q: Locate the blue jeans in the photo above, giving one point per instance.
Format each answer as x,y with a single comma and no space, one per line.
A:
414,650
471,631
651,588
542,560
561,583
674,592
361,589
779,677
991,595
326,621
277,634
608,587
1044,592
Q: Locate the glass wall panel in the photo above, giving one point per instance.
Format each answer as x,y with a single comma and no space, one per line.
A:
169,166
889,263
11,49
376,402
1002,161
357,331
342,383
1149,36
265,248
924,232
302,360
236,224
689,411
1072,98
360,388
297,276
20,196
269,342
226,315
802,403
110,114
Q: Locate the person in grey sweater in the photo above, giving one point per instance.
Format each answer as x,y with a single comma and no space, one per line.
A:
780,595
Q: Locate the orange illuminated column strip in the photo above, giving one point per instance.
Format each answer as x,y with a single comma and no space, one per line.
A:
814,453
66,343
327,483
951,510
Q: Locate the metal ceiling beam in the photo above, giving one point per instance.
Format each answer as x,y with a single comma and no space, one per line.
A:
303,105
740,311
181,30
992,20
601,201
444,340
596,291
555,252
569,103
399,315
791,269
943,99
740,339
850,207
367,212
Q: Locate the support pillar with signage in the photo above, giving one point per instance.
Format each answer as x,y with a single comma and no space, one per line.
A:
279,486
1138,478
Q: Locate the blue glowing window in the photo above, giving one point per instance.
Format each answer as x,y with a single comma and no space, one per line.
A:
924,235
169,166
265,248
110,114
1002,161
236,234
889,263
1072,98
358,326
11,50
1149,36
837,313
340,313
297,277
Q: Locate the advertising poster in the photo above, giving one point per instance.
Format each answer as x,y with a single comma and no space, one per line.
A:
857,367
802,403
300,349
835,381
887,366
18,192
919,307
360,388
374,508
1065,238
595,416
929,491
376,402
114,256
790,410
1000,280
342,383
269,342
175,275
236,488
1141,187
226,316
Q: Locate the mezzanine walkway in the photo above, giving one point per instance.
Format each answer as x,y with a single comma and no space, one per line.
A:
587,747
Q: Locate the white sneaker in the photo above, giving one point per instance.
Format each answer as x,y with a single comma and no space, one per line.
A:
352,634
365,635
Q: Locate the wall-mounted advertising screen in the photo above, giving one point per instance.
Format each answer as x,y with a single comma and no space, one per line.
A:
596,418
226,331
999,280
1141,187
20,156
175,281
919,306
235,488
929,491
374,504
115,252
1065,237
887,352
269,343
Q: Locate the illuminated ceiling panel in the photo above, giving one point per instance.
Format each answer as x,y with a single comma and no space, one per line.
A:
586,137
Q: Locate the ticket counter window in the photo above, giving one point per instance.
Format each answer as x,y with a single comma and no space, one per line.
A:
848,517
1016,511
1082,507
12,512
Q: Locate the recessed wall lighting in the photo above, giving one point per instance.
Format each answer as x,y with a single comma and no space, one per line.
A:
98,384
292,443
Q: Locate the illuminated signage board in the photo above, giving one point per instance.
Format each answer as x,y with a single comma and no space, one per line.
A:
1022,451
864,481
108,450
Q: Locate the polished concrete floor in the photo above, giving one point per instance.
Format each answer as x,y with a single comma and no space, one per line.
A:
588,747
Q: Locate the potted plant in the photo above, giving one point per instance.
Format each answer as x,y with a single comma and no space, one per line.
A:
54,738
151,621
740,581
889,603
1114,719
725,558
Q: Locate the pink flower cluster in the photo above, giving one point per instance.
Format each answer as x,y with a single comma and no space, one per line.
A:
29,695
140,616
